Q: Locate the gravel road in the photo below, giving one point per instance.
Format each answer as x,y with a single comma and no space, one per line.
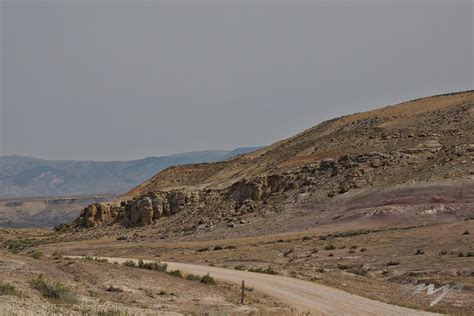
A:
302,295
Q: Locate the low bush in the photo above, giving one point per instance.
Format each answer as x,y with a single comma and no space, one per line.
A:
193,277
240,267
176,273
359,270
130,264
54,290
155,266
112,312
207,279
37,254
329,247
8,289
392,263
268,270
95,259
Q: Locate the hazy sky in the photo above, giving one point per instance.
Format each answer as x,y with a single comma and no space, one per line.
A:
120,80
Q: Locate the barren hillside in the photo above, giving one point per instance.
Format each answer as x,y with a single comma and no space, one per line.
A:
425,143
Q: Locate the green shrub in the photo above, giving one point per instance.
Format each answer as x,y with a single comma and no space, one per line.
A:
207,279
54,290
8,289
392,263
37,254
193,277
112,312
176,273
419,252
268,270
130,264
95,259
353,246
155,266
329,247
363,249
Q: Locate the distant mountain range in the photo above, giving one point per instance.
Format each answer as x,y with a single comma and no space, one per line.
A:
28,177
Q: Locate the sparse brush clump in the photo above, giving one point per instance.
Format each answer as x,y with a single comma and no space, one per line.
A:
359,270
155,266
329,247
205,279
95,259
130,264
112,288
8,289
392,263
37,254
240,267
176,273
267,270
54,290
419,252
112,312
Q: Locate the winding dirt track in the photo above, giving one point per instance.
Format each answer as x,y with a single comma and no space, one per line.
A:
303,296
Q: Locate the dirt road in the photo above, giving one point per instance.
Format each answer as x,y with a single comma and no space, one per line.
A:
303,296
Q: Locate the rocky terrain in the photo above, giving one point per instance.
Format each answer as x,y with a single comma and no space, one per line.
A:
28,177
375,204
334,169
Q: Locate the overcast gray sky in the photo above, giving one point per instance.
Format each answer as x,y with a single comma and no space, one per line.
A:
121,80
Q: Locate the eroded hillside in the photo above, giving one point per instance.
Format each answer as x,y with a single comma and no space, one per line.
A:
425,143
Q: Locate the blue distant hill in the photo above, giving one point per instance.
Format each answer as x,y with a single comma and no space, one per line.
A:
27,177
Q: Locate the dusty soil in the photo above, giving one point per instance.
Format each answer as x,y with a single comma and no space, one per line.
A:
375,262
108,287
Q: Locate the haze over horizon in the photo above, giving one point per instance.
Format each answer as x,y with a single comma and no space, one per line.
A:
120,81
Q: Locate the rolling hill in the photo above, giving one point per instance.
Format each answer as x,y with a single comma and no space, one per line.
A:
394,163
29,177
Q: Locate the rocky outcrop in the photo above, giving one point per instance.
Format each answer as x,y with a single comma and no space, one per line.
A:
94,215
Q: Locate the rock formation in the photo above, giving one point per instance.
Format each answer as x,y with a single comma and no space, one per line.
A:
424,140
